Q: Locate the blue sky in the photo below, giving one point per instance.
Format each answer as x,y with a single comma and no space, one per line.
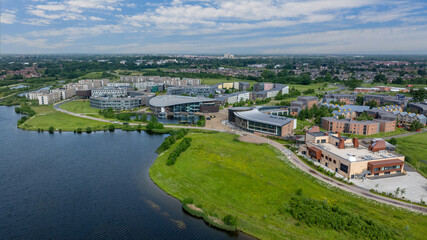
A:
214,26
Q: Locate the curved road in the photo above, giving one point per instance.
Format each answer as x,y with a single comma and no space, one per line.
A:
294,159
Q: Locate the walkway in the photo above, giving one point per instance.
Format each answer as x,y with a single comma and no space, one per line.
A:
291,156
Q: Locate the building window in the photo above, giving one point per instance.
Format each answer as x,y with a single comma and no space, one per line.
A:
323,141
344,168
376,169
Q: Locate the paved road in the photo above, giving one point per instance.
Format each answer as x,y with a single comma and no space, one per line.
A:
293,158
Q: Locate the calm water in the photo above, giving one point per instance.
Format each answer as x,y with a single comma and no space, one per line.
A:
88,186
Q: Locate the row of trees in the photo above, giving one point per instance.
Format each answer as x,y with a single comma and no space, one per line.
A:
170,140
182,146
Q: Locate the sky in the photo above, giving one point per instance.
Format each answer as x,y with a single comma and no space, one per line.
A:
270,27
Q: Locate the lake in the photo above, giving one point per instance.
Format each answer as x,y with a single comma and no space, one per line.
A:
87,186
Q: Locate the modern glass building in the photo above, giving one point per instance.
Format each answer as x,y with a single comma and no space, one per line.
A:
176,105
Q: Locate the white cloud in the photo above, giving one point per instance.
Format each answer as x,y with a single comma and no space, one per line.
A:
8,17
34,43
37,22
93,18
232,14
72,9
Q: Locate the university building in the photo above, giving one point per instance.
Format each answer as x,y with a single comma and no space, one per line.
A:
357,127
346,157
253,120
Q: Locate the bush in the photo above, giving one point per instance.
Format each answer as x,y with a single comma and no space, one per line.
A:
51,130
393,141
169,141
22,120
111,128
187,200
78,130
230,220
88,130
320,214
182,146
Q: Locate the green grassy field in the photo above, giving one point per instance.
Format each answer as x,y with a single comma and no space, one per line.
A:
48,117
79,107
415,147
314,86
253,182
398,131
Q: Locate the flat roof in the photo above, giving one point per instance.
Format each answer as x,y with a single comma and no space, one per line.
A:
256,116
385,162
170,100
355,154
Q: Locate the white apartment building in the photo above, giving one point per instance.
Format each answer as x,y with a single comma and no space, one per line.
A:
49,98
109,92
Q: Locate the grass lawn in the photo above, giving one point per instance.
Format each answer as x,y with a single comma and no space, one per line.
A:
303,123
252,182
79,107
314,86
415,147
92,75
48,117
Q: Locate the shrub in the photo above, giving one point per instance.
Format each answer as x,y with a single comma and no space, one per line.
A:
187,200
88,130
230,220
320,214
182,146
169,141
22,120
79,130
111,128
393,141
51,130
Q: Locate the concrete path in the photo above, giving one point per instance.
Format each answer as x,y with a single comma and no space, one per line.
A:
291,156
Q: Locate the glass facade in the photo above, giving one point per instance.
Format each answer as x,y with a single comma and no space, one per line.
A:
266,128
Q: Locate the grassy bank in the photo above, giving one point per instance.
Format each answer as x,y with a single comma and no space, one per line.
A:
414,147
47,116
79,107
255,183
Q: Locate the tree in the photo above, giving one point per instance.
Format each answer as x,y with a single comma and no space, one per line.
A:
380,78
419,95
415,125
341,116
393,141
51,130
359,100
268,75
364,117
371,104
